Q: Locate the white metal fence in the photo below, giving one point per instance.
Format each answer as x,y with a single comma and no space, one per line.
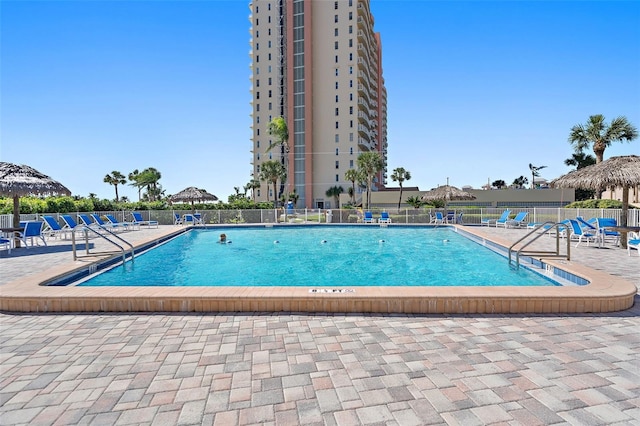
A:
470,216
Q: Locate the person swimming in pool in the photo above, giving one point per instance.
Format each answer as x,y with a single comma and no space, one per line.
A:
223,239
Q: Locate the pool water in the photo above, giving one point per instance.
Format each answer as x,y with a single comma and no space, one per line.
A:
320,256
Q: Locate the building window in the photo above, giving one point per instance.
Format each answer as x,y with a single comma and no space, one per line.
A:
270,106
258,156
351,123
336,72
351,150
337,125
350,16
350,42
269,93
351,140
269,56
337,138
269,44
258,168
335,32
258,142
337,164
258,193
258,120
269,19
257,107
351,56
350,96
350,69
350,29
335,5
269,31
336,86
257,46
335,19
269,69
336,97
350,109
350,83
337,151
269,6
337,178
335,45
336,59
337,111
257,95
269,81
351,164
257,58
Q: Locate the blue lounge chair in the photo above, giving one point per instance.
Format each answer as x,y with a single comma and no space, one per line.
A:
603,223
579,233
368,218
126,225
502,219
384,218
32,232
52,227
137,218
589,225
6,243
518,221
188,219
437,218
69,222
177,219
199,217
633,242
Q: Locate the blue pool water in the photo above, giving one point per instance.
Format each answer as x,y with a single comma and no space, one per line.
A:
320,256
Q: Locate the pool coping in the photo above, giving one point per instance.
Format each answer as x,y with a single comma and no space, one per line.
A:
604,293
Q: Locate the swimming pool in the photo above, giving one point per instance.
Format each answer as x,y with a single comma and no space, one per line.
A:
312,256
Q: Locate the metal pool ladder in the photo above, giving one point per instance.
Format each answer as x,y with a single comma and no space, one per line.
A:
86,231
546,227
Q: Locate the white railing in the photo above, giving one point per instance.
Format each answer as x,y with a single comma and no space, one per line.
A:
470,216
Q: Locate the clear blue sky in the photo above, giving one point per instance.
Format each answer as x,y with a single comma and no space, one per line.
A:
476,90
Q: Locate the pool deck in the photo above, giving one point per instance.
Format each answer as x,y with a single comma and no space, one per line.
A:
612,274
319,369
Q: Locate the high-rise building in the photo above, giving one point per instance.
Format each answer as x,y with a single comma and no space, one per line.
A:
317,64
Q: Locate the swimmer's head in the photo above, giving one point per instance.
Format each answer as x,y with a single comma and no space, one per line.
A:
323,242
276,242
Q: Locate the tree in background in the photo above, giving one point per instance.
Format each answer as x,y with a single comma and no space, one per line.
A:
252,185
335,192
498,184
520,182
580,160
272,171
369,163
149,179
134,178
600,134
353,176
280,132
535,172
415,201
400,175
115,178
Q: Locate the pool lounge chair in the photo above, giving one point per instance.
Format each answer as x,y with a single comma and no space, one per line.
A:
69,222
384,218
578,233
502,219
603,233
633,242
368,218
137,218
126,225
52,227
6,244
98,222
32,232
518,221
437,218
199,217
177,219
188,219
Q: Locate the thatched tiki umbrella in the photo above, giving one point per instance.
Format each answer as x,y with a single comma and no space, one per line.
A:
21,181
447,193
621,171
192,194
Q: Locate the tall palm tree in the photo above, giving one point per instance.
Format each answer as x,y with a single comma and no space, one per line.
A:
370,163
149,178
353,176
115,178
280,132
335,192
272,171
252,185
601,134
134,178
400,175
535,172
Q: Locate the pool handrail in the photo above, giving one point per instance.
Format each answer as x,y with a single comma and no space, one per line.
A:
546,226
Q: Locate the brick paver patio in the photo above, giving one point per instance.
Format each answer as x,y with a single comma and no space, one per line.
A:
290,369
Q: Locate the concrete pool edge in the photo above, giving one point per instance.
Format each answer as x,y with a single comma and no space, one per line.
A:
605,293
